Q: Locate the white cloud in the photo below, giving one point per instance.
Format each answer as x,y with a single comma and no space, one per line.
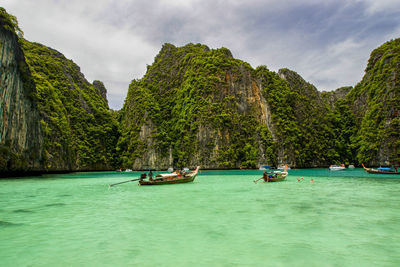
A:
105,52
327,42
376,6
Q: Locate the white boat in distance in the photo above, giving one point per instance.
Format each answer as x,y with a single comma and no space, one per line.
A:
264,167
337,167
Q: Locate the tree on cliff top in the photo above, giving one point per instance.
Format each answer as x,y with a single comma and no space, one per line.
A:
10,22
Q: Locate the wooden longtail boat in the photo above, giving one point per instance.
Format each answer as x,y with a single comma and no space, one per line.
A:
275,176
381,170
189,177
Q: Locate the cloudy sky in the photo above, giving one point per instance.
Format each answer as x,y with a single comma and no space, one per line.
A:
328,42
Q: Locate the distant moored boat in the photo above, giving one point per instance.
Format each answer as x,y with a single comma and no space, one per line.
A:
265,167
282,167
337,167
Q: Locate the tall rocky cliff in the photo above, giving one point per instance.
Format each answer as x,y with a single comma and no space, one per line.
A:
52,118
80,132
195,106
375,102
202,106
21,138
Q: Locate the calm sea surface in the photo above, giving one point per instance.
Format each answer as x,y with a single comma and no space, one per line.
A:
344,218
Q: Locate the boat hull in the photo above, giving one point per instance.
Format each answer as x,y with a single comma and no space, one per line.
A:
278,179
173,180
370,170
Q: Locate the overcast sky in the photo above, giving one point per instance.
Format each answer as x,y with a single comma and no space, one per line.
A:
328,42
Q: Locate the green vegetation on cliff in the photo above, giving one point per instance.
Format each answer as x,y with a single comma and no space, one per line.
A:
9,22
193,100
20,135
194,106
191,104
79,130
376,103
188,101
304,124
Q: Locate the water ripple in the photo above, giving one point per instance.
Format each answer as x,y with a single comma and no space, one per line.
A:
22,211
9,224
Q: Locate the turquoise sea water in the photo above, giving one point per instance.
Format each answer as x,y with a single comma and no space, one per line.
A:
344,218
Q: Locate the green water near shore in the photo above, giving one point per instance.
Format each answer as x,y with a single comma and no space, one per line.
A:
344,218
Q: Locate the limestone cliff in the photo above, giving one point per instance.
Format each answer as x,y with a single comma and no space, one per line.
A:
196,106
332,97
79,130
201,106
303,124
20,133
99,85
375,101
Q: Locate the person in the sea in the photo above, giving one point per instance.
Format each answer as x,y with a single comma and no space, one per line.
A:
312,181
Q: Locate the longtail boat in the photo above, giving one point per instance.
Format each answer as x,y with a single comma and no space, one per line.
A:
274,176
186,178
382,170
